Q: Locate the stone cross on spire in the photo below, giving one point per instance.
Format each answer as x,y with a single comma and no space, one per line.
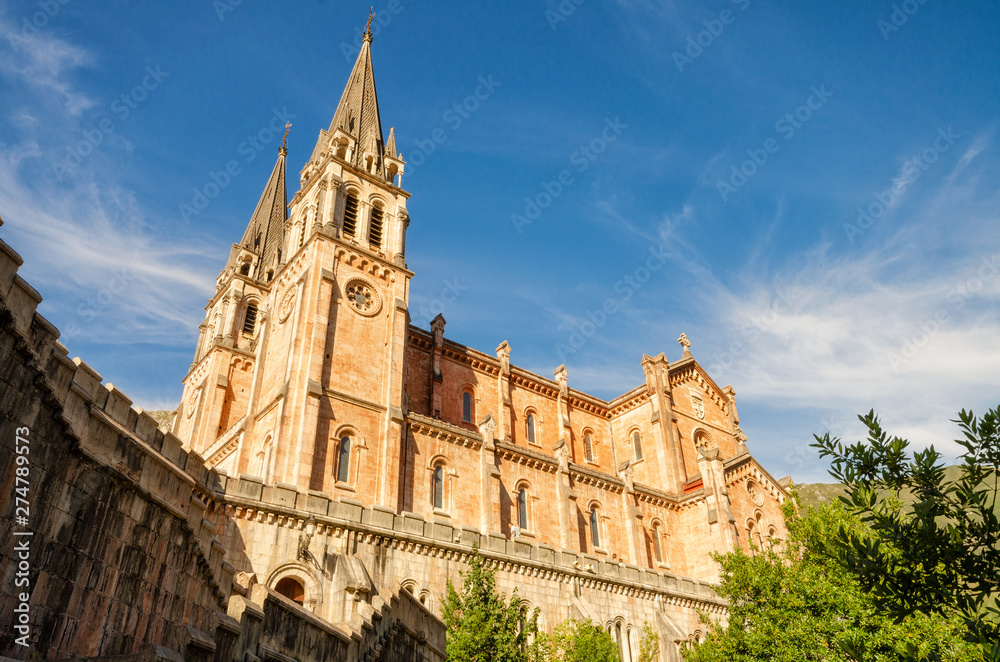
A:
368,26
686,344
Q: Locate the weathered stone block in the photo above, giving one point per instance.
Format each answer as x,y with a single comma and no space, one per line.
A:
443,531
546,553
9,263
568,558
380,517
471,537
408,523
173,450
280,494
314,502
249,487
497,543
350,509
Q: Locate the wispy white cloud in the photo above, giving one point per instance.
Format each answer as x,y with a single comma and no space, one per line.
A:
44,63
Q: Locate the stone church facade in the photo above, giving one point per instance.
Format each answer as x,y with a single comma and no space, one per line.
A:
332,466
308,379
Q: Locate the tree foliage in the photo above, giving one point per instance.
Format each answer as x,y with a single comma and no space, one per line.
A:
485,627
582,641
649,644
939,555
796,602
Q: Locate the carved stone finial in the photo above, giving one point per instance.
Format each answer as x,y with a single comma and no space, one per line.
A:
503,353
685,343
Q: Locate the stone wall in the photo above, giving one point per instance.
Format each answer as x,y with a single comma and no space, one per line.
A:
125,556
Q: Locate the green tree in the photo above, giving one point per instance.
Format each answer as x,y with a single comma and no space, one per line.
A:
483,626
582,641
649,644
940,554
796,602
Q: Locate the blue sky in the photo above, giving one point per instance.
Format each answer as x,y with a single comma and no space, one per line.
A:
808,190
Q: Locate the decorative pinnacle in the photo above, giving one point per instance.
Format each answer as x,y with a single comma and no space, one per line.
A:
368,26
284,140
685,343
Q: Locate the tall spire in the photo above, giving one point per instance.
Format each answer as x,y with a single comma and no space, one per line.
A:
264,232
357,114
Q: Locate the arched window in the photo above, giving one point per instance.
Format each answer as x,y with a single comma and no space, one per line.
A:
250,319
467,407
522,508
344,460
264,460
588,447
438,487
292,589
637,445
657,550
529,428
595,527
350,215
375,227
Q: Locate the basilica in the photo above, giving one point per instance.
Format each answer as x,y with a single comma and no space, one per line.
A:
309,376
331,465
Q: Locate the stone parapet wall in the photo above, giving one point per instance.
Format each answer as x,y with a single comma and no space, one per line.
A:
125,556
288,507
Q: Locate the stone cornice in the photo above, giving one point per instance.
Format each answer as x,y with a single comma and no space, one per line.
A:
526,456
438,429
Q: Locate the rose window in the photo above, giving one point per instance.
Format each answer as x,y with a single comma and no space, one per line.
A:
362,297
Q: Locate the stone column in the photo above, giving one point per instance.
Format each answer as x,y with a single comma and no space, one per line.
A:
632,524
565,497
504,407
720,515
562,404
489,475
656,371
437,378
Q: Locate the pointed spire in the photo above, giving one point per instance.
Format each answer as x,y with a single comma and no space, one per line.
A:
357,113
267,225
390,147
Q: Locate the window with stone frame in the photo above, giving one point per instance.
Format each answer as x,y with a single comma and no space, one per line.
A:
468,405
531,427
637,445
344,459
350,226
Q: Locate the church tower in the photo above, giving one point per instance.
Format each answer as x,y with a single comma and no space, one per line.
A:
298,374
